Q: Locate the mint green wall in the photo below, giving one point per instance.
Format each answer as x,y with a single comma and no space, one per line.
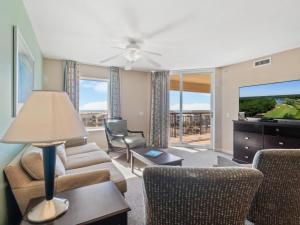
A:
12,12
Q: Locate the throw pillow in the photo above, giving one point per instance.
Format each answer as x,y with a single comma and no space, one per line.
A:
32,162
61,152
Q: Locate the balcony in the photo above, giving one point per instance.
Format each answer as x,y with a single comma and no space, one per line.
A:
93,119
196,128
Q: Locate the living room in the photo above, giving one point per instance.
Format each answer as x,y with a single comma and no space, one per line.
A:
155,101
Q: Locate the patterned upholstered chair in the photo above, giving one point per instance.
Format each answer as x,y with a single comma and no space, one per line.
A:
277,201
199,196
119,137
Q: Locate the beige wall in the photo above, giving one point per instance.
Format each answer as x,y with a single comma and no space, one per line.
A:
285,66
135,93
53,74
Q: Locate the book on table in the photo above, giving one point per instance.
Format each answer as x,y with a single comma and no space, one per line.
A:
153,153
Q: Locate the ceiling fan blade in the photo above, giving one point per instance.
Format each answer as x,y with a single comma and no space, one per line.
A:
130,16
120,48
151,61
110,58
151,53
169,26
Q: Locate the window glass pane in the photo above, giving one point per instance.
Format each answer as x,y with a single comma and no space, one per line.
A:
93,102
196,109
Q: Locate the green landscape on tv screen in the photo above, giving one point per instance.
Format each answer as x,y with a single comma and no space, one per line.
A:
271,101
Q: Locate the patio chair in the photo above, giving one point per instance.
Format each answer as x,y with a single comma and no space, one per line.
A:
119,137
199,196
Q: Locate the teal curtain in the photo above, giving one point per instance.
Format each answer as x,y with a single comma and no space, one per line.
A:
159,117
114,93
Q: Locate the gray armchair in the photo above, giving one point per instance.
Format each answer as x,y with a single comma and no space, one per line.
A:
119,137
199,196
277,201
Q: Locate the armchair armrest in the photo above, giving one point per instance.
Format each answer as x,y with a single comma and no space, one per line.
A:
137,132
76,180
118,135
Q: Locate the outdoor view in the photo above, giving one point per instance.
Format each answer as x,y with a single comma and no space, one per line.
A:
272,101
195,117
93,102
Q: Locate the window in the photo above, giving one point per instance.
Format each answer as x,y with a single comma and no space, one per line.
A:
93,102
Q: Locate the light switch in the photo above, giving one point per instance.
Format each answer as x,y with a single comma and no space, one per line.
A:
227,115
141,113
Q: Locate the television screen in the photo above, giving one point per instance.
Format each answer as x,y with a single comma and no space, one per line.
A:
271,101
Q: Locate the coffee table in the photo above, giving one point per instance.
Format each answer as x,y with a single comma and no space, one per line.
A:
100,204
164,159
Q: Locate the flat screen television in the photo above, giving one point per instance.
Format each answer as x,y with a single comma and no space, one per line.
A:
271,101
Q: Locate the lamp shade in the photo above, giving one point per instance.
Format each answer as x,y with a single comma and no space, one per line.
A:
46,117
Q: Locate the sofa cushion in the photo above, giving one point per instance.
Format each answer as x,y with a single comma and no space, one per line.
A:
61,152
115,175
89,147
87,159
32,162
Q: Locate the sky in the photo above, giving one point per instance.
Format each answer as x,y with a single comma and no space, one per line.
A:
283,88
191,101
93,96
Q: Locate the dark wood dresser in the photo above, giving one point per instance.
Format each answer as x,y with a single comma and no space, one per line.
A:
250,137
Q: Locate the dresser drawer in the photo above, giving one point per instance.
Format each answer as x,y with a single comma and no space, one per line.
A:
250,128
244,155
282,131
248,141
280,142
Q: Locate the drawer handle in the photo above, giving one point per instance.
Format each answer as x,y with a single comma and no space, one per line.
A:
246,138
246,157
277,129
246,147
281,143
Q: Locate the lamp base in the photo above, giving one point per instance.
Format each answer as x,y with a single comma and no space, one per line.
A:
48,210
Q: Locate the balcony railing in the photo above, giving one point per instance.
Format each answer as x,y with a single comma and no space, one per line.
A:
193,123
93,119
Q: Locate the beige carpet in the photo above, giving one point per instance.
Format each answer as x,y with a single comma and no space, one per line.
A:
192,158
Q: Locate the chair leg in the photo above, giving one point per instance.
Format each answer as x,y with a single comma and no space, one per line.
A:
128,155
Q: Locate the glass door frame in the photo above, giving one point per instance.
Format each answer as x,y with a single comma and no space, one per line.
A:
212,104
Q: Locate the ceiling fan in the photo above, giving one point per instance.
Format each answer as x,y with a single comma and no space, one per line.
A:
132,53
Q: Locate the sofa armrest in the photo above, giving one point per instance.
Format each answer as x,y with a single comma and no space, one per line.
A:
76,180
76,142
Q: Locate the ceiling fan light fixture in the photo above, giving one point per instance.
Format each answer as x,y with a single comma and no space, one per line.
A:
132,55
128,67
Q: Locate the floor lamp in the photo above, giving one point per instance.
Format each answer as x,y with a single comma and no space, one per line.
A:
46,120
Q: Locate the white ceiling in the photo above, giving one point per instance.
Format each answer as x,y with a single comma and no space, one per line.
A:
188,33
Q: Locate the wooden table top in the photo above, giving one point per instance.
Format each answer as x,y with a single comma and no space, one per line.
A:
89,204
164,159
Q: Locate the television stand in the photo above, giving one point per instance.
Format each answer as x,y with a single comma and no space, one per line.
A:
250,137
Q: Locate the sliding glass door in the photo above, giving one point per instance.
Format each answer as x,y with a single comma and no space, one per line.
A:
190,109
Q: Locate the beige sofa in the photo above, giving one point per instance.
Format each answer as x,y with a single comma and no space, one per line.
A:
85,164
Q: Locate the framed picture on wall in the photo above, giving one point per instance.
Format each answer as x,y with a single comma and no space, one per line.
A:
23,80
